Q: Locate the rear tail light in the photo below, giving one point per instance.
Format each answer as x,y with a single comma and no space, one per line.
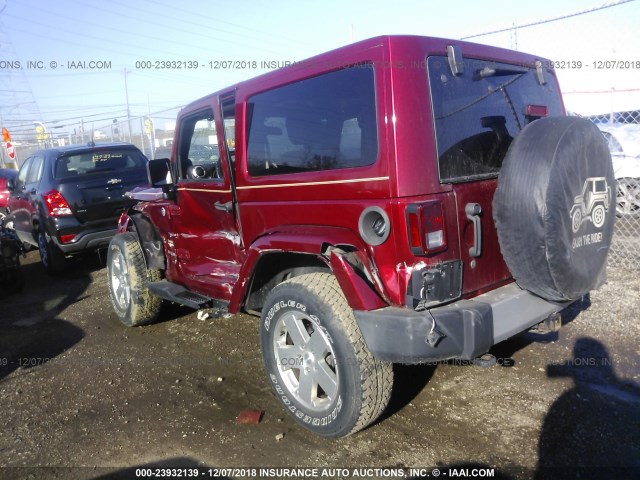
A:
426,229
67,238
537,111
56,204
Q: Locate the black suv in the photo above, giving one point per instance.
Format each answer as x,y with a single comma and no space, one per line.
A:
67,200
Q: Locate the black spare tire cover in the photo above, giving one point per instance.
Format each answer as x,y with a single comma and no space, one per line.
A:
555,207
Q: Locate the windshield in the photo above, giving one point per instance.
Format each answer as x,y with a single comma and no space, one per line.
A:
477,114
98,161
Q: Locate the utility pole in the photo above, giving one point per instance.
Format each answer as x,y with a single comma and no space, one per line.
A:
126,93
152,135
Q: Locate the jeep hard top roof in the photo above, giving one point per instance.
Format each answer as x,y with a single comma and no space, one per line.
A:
392,45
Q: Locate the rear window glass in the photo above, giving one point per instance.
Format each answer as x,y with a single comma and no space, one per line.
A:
96,162
477,114
322,123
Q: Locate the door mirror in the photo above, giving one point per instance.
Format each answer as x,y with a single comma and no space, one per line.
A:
11,184
159,173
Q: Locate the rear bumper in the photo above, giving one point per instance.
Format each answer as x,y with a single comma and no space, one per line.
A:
86,241
465,329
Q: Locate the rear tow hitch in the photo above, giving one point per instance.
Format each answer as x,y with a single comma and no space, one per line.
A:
551,324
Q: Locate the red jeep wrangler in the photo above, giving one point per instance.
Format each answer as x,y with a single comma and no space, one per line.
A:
402,199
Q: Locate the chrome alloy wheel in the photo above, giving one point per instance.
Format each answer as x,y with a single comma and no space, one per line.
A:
120,281
305,361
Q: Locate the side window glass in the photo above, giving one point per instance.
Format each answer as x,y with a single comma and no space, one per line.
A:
199,153
35,171
321,123
21,180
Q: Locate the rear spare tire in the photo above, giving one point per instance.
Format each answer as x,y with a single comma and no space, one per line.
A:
555,208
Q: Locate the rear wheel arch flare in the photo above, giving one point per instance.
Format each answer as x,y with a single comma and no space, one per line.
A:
150,241
276,267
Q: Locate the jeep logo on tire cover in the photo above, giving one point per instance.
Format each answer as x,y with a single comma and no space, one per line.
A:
592,204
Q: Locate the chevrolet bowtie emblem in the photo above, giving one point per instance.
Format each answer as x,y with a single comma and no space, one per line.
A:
113,181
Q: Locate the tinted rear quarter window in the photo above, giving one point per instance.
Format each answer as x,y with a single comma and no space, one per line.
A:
35,171
321,123
97,162
477,114
22,174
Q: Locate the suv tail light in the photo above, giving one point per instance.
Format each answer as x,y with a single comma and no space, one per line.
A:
67,238
56,204
537,111
426,228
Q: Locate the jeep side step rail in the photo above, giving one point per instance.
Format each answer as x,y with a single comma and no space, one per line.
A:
178,294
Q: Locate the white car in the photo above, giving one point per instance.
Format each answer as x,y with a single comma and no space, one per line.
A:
624,144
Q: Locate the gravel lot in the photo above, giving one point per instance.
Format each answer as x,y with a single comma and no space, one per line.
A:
82,396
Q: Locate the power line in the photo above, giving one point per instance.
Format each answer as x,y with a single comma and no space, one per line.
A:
614,90
173,28
263,34
549,20
91,37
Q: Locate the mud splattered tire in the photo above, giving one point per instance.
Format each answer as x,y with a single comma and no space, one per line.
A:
128,277
316,360
549,249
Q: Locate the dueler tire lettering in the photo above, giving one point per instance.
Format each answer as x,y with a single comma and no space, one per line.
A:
554,207
316,359
128,278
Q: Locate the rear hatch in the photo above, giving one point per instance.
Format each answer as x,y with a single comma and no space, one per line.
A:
477,113
94,183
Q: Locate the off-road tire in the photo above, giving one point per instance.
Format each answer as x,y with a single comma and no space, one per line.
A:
363,383
52,258
128,277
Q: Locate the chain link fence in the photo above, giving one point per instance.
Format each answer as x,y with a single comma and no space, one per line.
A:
622,133
152,134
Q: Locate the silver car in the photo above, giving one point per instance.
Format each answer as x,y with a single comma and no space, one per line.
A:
624,144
